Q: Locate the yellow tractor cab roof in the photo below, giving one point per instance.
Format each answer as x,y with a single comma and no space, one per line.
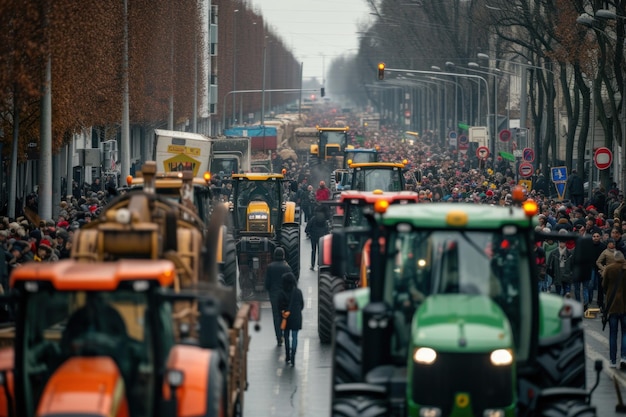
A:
257,176
72,275
332,129
378,165
370,197
168,181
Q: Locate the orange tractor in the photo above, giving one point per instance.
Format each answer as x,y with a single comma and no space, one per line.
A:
352,206
135,324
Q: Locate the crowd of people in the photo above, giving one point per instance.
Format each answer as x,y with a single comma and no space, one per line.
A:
445,175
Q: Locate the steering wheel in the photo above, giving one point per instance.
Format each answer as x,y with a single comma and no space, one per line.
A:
95,344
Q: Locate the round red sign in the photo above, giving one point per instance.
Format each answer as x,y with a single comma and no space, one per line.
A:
482,152
525,169
602,158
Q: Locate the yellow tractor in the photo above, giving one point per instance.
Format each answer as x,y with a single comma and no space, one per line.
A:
262,221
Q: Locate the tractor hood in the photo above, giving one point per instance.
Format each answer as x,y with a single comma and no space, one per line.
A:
461,322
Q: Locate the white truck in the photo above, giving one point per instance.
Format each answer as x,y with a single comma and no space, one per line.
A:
230,156
176,151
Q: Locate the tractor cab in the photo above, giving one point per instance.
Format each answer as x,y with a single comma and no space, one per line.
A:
385,176
95,343
257,202
332,142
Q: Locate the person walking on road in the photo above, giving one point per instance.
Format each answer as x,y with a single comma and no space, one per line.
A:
606,258
316,228
559,267
293,302
614,282
274,287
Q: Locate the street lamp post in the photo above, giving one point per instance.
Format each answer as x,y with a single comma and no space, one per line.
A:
235,12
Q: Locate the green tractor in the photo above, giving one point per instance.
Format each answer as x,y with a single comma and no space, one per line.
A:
262,220
452,322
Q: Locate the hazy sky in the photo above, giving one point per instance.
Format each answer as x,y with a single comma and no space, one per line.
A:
315,30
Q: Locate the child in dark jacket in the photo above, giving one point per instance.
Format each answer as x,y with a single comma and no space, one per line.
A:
291,300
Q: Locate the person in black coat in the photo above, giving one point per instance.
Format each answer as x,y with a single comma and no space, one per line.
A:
575,188
316,228
274,287
291,300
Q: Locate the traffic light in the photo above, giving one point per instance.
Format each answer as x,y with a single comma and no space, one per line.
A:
322,92
381,71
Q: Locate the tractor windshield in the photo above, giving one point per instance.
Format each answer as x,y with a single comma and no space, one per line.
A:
60,325
265,191
361,157
386,179
333,138
491,263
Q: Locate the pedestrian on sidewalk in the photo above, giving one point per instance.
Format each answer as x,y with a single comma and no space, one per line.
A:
274,287
614,282
293,302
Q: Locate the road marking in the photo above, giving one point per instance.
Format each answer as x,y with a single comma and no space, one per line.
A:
304,376
309,298
595,355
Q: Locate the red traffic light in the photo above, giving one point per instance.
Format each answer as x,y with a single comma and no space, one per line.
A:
381,71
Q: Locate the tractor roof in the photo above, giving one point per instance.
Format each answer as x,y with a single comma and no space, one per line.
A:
332,129
168,181
71,275
256,176
461,216
382,165
361,150
370,197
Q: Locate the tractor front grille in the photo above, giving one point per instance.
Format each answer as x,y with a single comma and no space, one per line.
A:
488,386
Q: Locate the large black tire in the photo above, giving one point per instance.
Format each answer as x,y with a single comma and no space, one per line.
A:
327,287
229,268
290,242
566,408
563,364
359,405
346,366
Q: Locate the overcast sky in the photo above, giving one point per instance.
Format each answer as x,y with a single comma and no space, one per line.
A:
315,30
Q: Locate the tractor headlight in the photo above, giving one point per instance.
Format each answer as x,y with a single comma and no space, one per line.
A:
430,412
257,216
425,356
501,357
493,413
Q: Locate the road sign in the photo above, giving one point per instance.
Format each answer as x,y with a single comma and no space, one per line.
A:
505,135
407,113
525,169
452,134
559,174
463,142
482,152
528,155
528,184
602,158
560,189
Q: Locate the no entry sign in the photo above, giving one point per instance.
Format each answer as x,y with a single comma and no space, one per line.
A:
525,169
602,158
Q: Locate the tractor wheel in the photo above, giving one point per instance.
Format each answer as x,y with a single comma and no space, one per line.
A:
290,241
359,404
567,408
346,354
229,267
563,364
327,287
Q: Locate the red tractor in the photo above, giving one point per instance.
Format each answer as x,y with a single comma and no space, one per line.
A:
352,205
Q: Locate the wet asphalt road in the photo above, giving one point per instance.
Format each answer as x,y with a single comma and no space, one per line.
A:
279,390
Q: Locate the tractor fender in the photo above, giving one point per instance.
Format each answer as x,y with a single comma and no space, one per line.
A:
202,389
325,248
290,212
557,327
